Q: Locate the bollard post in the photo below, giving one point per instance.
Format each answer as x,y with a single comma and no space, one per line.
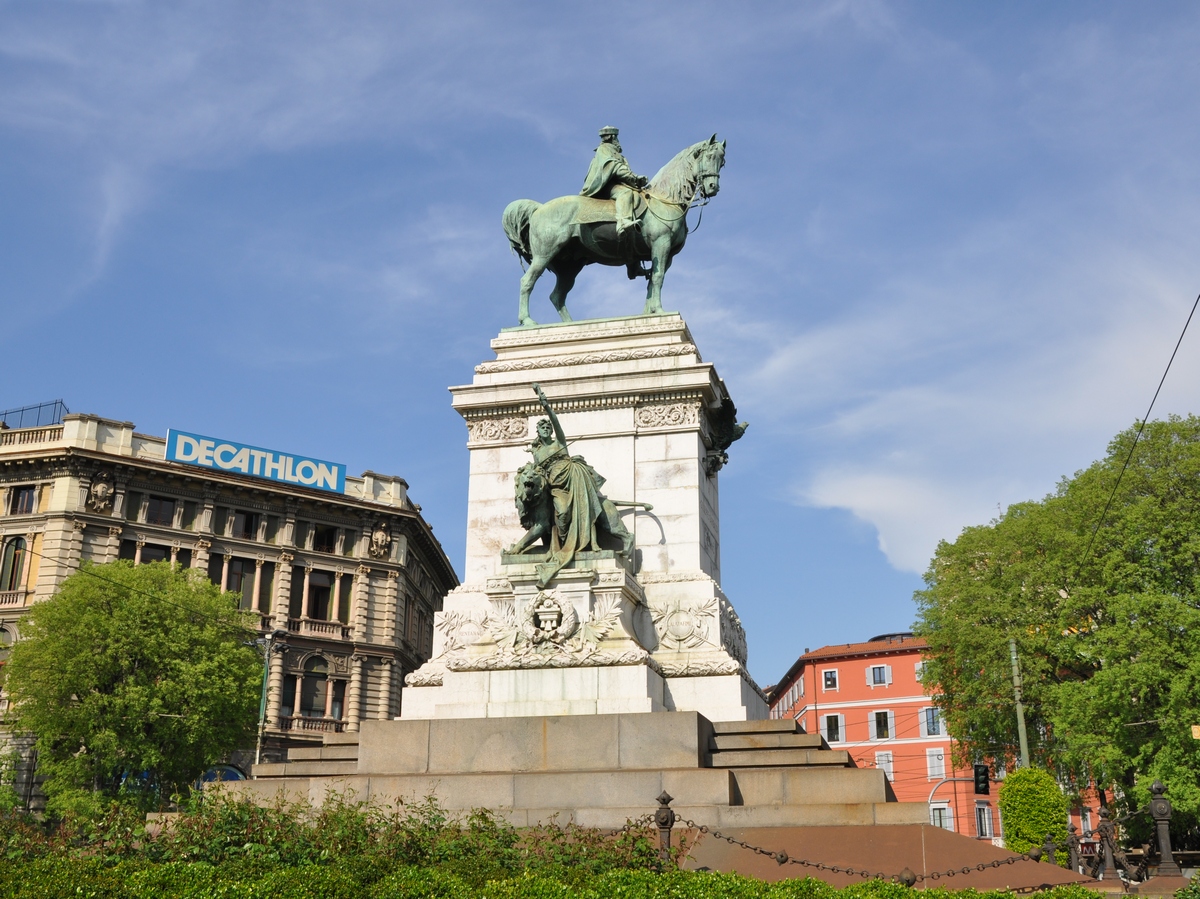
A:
1107,831
664,817
1160,811
1049,850
1073,848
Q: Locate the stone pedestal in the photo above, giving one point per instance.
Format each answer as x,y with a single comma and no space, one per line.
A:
650,633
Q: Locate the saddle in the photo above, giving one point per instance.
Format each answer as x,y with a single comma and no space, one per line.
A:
593,211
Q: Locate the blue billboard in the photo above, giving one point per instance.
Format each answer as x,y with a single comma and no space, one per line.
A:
225,455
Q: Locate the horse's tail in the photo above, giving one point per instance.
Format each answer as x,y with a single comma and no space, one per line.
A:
516,226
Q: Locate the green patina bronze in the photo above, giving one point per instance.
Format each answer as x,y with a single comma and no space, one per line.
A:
619,218
559,500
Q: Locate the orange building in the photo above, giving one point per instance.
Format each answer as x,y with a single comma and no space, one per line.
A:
868,698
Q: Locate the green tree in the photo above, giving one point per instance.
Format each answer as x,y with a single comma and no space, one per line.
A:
1032,806
1109,639
133,677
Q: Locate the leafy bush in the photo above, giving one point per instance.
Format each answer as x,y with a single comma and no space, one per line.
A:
1032,805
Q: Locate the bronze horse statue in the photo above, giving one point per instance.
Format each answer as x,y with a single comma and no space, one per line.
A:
568,233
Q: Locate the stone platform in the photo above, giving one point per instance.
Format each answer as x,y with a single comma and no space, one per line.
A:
595,770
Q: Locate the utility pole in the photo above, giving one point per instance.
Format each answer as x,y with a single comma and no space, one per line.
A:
1016,674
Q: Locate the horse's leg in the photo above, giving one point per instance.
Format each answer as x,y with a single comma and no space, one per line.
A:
565,273
660,259
536,267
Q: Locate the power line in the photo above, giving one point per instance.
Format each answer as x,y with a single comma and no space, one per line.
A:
1141,427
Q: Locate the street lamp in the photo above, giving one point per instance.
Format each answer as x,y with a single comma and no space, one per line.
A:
267,643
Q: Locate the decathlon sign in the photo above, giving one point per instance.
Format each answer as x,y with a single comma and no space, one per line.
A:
225,455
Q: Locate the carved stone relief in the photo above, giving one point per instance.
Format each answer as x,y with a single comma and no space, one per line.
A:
381,540
684,626
486,430
100,494
668,415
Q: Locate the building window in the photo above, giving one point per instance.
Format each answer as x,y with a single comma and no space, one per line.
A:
6,642
879,675
940,816
241,581
313,687
133,506
935,763
882,725
24,500
160,511
931,722
983,819
829,679
188,522
128,551
883,761
919,671
153,553
272,528
832,727
300,533
13,564
320,591
324,538
245,525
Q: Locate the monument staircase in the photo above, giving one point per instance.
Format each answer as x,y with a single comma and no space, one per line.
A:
596,770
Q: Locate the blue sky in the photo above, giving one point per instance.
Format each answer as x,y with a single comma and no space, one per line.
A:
954,245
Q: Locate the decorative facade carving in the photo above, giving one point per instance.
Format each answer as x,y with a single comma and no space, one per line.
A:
381,540
547,619
682,626
101,493
428,675
488,430
668,415
733,635
494,585
683,349
548,635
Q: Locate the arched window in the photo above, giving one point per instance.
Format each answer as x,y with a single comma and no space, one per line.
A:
6,642
313,688
13,564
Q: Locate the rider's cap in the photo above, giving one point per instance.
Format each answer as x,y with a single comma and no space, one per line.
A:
607,131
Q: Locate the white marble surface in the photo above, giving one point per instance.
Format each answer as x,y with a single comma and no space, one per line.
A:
635,398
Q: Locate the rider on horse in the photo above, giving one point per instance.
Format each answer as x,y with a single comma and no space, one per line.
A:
610,178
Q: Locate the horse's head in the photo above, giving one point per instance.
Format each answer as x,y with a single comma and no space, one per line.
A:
710,159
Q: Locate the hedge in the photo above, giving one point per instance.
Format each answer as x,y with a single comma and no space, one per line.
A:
51,878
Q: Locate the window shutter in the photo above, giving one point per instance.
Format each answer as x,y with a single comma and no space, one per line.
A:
892,725
870,676
842,726
887,673
921,722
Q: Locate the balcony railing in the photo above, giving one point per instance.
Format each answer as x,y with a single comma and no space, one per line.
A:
12,598
318,725
309,627
31,435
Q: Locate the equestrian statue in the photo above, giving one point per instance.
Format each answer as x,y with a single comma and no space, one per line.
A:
619,218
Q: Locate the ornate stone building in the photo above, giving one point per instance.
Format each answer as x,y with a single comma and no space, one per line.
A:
352,578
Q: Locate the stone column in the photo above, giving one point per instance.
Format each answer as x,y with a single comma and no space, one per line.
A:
328,697
275,689
362,583
174,552
200,555
389,608
114,544
283,589
228,557
137,553
385,690
299,692
305,611
354,699
258,564
337,595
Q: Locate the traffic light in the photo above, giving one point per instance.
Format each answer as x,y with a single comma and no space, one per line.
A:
982,780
